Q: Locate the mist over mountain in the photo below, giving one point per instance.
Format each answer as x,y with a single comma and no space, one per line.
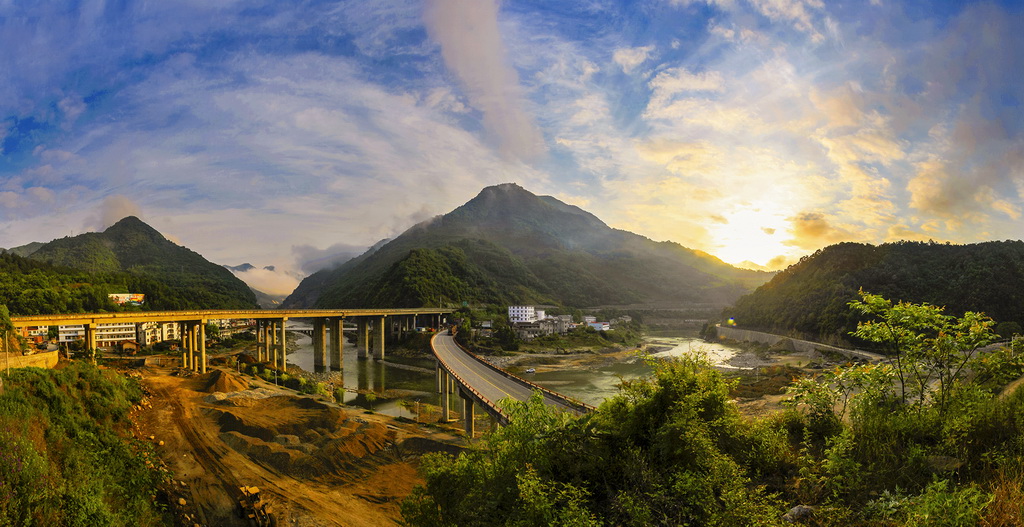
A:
508,245
171,276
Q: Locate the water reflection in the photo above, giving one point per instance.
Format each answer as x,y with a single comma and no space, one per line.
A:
391,385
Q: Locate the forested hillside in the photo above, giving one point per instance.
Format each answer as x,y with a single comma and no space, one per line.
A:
811,297
508,246
71,274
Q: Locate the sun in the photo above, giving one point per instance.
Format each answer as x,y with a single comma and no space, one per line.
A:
751,234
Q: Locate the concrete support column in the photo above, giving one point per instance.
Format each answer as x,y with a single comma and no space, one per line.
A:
184,350
272,341
90,341
195,346
362,337
319,344
284,345
186,357
378,338
260,342
337,343
445,412
467,414
438,376
202,346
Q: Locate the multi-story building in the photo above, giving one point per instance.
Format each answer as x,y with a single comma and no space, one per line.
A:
522,314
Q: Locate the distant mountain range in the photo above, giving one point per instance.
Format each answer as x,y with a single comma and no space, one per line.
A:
132,253
810,298
509,246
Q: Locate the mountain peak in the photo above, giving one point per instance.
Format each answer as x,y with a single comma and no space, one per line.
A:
132,224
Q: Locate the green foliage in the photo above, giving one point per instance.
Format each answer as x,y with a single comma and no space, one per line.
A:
508,246
68,458
811,297
74,275
666,451
928,346
672,449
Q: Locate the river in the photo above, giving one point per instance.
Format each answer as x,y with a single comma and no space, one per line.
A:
395,384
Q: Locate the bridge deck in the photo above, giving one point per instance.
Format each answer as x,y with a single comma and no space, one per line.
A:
490,383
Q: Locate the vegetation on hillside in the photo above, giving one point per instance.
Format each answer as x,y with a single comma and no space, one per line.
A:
74,275
509,246
810,298
857,446
67,456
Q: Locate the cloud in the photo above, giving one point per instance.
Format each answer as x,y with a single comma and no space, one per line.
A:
312,259
629,58
677,81
110,211
813,230
269,281
470,40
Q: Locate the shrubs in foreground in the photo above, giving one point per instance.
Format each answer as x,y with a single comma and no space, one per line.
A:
67,457
927,440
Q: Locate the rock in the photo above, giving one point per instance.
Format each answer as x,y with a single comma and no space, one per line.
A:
182,502
152,438
160,443
800,512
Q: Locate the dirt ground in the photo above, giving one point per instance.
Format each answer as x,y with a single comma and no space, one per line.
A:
318,464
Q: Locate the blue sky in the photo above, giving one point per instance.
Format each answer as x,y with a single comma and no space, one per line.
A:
281,133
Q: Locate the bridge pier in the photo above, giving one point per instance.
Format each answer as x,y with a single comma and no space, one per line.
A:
202,346
284,345
184,349
319,345
378,340
467,415
337,343
261,340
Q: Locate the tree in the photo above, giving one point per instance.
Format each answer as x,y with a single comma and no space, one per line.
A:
930,349
6,326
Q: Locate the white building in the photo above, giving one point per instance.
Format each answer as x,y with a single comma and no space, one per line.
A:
107,335
522,314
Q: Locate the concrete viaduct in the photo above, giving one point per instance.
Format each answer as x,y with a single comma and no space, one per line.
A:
481,383
327,333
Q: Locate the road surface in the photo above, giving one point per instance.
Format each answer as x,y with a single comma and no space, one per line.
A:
489,383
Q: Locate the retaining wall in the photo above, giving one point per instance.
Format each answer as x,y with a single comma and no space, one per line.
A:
46,359
747,335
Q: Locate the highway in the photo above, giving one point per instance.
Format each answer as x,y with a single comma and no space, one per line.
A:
489,383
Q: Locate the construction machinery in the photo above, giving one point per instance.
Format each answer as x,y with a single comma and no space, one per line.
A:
252,508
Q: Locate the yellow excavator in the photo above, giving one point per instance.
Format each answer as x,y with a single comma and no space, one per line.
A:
252,508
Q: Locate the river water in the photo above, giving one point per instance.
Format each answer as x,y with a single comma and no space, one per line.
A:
395,385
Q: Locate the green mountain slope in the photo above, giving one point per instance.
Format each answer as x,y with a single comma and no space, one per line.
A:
509,246
811,296
135,254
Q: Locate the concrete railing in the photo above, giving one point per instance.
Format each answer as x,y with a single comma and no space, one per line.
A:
579,406
806,346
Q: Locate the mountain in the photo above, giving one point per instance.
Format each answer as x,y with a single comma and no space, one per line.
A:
267,301
509,246
24,250
811,296
171,276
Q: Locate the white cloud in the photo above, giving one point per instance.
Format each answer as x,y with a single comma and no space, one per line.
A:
629,58
472,49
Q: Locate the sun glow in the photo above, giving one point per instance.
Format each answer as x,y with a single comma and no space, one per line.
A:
751,234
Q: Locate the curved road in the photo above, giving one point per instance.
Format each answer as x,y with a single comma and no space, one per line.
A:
489,383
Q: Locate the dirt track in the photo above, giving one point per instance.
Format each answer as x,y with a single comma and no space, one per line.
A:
318,464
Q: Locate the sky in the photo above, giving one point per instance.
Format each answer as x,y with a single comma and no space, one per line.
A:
294,133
